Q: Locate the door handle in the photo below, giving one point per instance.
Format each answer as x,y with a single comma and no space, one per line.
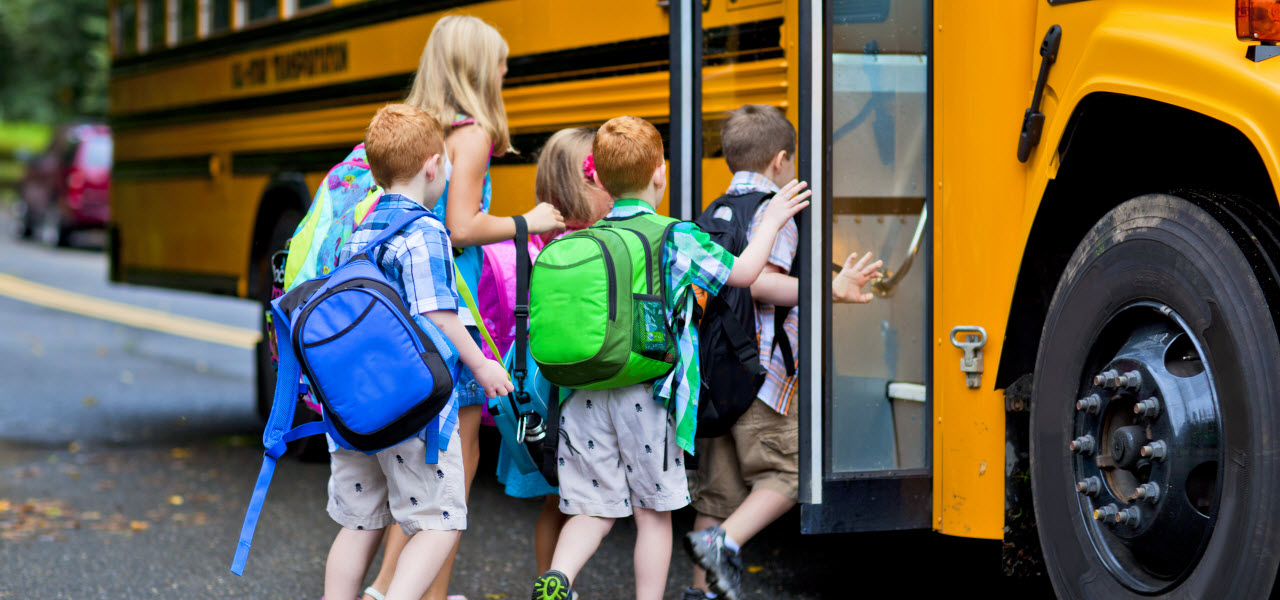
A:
975,338
884,286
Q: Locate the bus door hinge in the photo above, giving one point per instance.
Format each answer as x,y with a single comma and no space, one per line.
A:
1033,119
975,338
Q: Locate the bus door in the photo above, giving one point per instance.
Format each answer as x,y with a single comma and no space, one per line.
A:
865,399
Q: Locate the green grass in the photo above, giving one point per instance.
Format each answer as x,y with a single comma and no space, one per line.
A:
29,137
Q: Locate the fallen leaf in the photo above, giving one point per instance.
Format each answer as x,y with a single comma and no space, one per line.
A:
89,401
755,569
181,453
175,500
91,515
495,596
4,505
139,525
73,447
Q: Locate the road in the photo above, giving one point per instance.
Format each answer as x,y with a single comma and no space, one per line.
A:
128,454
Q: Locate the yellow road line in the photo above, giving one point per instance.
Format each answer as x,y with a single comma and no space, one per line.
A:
127,314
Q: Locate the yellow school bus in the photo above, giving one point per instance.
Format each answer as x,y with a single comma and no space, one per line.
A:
1075,347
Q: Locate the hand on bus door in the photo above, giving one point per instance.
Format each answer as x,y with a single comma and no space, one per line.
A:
789,200
543,218
848,284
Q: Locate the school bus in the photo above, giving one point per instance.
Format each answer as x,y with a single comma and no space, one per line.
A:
1075,346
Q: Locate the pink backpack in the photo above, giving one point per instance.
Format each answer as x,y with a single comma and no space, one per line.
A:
496,296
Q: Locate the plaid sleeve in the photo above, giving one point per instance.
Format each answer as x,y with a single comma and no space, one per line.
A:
696,260
426,270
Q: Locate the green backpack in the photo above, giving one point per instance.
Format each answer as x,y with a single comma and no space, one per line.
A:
598,305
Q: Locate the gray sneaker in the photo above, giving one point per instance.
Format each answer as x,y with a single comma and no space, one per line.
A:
724,567
693,594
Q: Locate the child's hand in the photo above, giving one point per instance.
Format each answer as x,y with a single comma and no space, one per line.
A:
848,284
493,378
785,204
543,218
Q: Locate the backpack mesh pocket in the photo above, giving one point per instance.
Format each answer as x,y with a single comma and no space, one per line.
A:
650,336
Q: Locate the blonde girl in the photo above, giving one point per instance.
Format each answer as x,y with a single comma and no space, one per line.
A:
459,82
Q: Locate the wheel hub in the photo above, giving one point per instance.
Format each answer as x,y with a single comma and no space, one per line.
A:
1146,448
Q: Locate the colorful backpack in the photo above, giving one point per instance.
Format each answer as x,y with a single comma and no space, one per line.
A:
598,305
380,375
496,293
347,195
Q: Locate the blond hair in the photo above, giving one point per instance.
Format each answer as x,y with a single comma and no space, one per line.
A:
561,180
458,74
627,150
399,140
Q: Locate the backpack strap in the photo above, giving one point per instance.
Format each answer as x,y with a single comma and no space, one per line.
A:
522,304
277,434
401,222
781,340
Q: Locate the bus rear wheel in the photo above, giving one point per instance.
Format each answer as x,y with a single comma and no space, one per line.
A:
1154,416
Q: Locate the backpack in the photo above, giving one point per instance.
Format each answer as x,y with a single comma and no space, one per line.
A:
496,295
528,432
379,376
727,343
598,305
345,197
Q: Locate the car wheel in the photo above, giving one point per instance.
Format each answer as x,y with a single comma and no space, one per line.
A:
53,229
1153,419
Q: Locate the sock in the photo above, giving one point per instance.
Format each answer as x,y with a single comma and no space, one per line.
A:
730,543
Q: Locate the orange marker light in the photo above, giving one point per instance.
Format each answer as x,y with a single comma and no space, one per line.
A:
1258,20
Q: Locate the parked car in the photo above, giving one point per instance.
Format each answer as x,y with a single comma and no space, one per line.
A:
67,188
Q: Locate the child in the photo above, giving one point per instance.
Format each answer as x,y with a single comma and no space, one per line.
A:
368,493
749,477
604,431
562,183
459,83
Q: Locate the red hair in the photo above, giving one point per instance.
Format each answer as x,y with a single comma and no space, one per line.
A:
400,138
626,150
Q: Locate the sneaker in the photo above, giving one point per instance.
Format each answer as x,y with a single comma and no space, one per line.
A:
724,568
552,585
693,594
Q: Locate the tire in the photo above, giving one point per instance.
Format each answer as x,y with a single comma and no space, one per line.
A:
1193,256
53,228
26,221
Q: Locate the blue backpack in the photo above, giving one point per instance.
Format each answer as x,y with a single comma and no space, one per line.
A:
379,377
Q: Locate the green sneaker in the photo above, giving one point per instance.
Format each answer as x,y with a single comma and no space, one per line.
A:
552,585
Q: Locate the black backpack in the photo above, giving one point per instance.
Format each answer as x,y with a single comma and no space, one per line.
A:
727,346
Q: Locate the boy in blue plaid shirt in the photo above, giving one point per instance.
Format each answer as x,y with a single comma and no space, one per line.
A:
396,485
624,429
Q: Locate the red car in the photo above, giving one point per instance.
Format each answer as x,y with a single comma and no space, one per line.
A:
67,188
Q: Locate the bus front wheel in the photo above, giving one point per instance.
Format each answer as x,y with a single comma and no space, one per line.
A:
1154,418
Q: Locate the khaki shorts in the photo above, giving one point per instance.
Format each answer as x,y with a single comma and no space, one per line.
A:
761,451
611,455
396,485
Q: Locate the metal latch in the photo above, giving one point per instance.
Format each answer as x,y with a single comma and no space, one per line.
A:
974,339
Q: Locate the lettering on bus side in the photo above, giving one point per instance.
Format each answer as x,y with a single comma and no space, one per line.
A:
290,66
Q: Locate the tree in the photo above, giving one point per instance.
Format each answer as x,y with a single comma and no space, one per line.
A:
53,59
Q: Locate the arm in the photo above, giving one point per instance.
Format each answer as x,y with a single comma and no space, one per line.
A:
488,373
779,289
785,204
468,225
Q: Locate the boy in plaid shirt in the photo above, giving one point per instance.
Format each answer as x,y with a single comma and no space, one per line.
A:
397,485
749,477
621,435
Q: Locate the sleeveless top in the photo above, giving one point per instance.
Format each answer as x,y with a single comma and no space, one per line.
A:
469,259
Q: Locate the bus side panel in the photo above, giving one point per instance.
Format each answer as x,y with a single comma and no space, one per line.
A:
983,74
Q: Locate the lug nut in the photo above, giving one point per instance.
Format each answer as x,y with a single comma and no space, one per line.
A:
1106,379
1089,403
1155,450
1083,445
1147,491
1089,487
1105,513
1132,379
1130,516
1148,408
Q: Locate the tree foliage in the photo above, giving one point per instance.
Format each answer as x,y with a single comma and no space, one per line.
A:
54,59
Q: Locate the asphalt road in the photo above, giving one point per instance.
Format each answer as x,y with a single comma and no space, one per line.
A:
127,457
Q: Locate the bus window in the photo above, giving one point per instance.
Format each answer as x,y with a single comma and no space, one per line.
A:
260,10
188,10
308,4
156,24
219,16
876,414
126,28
